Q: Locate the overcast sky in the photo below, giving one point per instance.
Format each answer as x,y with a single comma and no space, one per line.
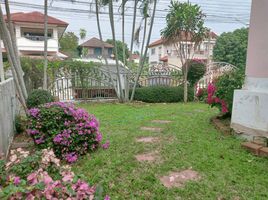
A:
222,15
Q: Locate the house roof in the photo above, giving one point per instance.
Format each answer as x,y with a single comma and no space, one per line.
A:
95,42
135,56
162,40
35,17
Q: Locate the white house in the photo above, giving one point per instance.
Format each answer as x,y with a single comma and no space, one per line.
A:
162,51
29,30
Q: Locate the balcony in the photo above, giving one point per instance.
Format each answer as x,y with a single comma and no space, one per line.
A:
36,43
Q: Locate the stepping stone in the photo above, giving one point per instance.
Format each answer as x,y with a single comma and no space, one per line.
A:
153,129
148,139
161,121
179,179
147,157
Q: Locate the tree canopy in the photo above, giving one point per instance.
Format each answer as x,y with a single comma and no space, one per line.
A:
120,46
231,47
69,44
196,71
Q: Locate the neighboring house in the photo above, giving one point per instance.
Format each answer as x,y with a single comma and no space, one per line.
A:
161,51
135,58
29,30
94,49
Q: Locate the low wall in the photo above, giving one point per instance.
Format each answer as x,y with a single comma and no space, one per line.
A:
8,110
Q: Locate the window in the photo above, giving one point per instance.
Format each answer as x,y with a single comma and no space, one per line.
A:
97,51
153,51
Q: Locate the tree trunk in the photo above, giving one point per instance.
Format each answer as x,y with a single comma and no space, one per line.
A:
45,47
126,96
185,91
111,14
103,48
19,82
13,35
141,65
2,72
133,27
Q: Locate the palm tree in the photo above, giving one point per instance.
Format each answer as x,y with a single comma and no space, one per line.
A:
45,47
133,25
144,54
111,16
103,3
82,33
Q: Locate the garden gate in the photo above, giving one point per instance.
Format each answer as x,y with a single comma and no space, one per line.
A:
92,84
162,74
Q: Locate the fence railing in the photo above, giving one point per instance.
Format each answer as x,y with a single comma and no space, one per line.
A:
8,111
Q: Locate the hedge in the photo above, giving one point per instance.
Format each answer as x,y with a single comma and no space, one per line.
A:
162,94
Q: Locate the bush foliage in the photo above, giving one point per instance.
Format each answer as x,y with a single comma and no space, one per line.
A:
221,93
160,94
41,176
68,130
39,97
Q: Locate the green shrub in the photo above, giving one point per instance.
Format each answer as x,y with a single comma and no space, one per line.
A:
20,124
39,97
161,94
226,84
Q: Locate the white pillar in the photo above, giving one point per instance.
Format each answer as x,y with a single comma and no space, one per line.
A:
250,107
2,72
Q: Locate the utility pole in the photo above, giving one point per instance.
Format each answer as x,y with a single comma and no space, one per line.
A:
45,48
2,72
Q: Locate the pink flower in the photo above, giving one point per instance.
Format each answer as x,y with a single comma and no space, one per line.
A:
106,145
32,178
211,89
71,157
107,197
16,180
99,137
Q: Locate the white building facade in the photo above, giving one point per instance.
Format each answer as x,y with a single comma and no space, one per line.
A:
29,30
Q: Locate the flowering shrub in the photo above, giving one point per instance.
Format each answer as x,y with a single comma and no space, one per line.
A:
214,100
220,93
68,130
40,184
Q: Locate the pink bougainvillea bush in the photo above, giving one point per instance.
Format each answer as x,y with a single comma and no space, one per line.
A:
68,130
50,180
213,100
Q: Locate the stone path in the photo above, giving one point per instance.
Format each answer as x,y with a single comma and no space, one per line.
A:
178,179
147,157
148,139
153,129
174,179
161,121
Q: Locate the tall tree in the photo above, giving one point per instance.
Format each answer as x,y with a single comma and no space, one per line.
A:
232,48
111,16
45,45
99,3
69,43
143,55
185,30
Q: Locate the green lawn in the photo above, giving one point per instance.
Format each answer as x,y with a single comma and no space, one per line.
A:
227,171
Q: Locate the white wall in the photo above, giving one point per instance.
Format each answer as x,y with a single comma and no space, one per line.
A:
8,110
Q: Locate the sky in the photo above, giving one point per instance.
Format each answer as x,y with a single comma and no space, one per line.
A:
221,15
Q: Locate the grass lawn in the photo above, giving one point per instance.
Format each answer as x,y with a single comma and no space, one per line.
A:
227,171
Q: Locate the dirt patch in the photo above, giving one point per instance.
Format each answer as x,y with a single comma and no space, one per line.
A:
179,179
161,121
148,139
150,157
223,125
152,129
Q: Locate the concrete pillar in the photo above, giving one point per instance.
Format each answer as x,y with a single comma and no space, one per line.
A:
250,108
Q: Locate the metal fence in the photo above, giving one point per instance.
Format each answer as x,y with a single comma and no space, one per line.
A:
8,111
